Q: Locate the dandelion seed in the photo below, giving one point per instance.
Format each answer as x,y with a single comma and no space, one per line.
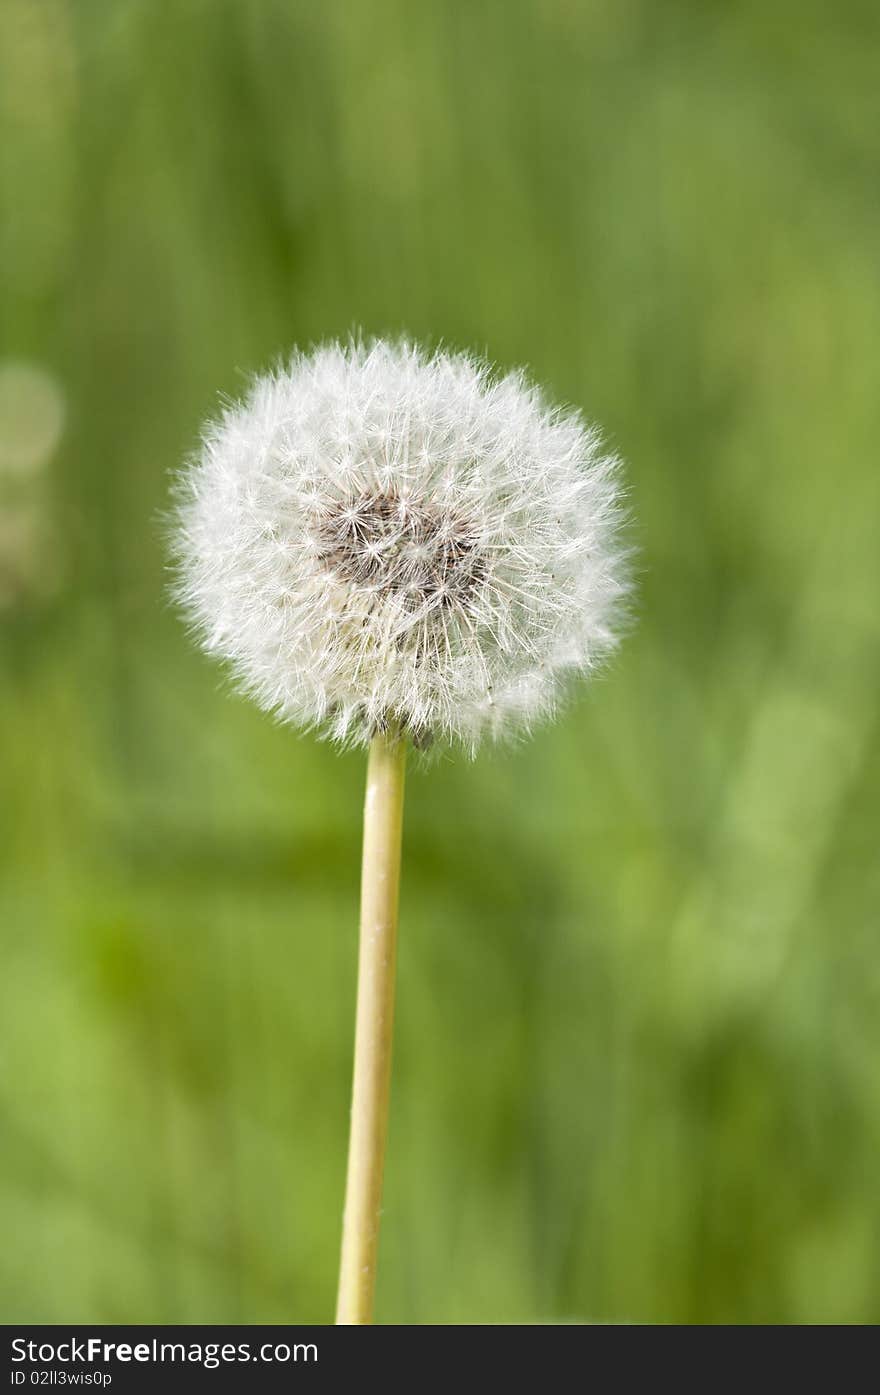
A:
379,536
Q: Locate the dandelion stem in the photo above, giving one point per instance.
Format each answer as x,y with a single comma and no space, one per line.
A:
380,881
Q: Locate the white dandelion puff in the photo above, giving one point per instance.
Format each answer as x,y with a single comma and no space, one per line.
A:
380,537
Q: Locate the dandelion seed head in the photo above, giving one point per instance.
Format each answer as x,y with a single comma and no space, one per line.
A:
380,536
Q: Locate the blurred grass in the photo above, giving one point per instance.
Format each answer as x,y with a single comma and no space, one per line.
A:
637,1070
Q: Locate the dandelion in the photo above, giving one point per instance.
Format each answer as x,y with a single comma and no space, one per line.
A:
394,547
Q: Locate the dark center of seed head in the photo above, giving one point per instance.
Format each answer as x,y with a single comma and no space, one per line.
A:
413,549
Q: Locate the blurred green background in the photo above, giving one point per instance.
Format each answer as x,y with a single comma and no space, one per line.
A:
637,1066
